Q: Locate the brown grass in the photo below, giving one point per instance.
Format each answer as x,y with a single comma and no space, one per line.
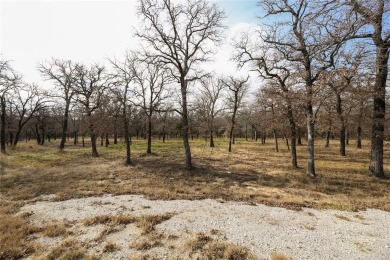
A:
147,223
252,173
69,249
14,233
279,256
147,242
54,230
110,247
202,246
110,220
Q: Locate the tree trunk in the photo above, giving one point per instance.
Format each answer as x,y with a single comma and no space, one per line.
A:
115,138
276,141
299,141
64,126
43,137
359,137
149,148
310,138
17,136
294,160
377,138
212,132
75,138
339,110
287,143
93,140
327,138
342,141
2,129
188,162
107,140
83,141
126,131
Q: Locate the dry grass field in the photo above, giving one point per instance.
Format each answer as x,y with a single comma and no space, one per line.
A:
253,173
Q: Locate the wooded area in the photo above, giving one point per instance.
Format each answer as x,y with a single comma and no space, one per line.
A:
318,70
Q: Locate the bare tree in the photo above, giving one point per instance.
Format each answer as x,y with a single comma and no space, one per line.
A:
374,14
270,64
181,36
28,101
123,76
62,73
152,79
208,107
311,38
340,82
9,79
237,88
90,85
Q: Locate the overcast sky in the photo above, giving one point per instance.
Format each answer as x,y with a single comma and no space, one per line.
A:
87,31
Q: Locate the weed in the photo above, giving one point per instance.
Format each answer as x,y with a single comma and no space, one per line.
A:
148,242
342,217
54,230
110,247
279,256
147,223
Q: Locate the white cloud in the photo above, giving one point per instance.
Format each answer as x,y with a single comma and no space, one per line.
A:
33,31
87,31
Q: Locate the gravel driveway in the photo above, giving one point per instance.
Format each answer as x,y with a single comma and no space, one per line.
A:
305,234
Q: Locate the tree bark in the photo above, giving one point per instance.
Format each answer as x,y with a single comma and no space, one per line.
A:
2,129
294,160
377,138
149,148
359,137
64,126
327,138
276,140
93,140
107,143
310,139
185,129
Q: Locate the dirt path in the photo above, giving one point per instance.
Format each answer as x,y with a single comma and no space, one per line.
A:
306,234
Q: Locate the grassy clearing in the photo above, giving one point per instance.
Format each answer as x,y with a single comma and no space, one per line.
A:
253,173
